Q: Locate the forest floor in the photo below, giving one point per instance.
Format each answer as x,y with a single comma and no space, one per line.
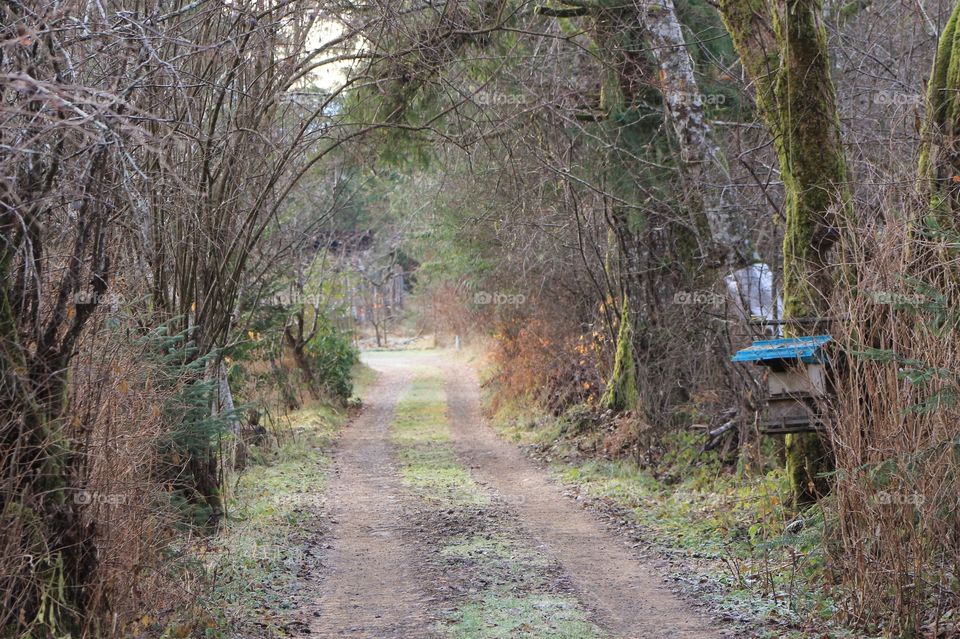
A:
439,528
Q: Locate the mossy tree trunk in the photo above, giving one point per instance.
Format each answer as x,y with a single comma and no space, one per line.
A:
621,391
939,161
783,47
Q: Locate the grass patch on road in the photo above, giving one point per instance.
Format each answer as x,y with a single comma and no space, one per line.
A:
514,590
498,615
421,432
499,560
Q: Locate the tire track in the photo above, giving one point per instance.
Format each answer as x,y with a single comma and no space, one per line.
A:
629,597
372,588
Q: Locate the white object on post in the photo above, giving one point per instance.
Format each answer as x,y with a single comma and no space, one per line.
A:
751,291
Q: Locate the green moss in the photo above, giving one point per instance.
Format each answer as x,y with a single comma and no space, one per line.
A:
936,170
621,393
807,461
750,26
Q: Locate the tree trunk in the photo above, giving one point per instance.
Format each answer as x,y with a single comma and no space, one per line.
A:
298,344
655,21
783,47
939,162
621,391
225,399
705,166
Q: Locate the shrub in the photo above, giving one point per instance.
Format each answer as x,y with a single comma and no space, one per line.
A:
333,357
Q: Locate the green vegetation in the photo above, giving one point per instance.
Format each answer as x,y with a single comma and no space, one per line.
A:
501,615
937,168
332,358
257,573
517,598
421,432
497,553
736,530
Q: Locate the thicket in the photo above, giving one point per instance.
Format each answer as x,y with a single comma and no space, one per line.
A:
150,193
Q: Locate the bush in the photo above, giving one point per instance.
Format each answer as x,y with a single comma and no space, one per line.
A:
895,428
547,362
333,356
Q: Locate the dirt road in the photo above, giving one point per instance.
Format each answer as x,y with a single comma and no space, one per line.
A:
445,530
373,587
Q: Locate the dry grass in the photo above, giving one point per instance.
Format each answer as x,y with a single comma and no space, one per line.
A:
892,529
546,360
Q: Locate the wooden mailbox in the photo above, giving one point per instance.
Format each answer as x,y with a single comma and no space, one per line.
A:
797,381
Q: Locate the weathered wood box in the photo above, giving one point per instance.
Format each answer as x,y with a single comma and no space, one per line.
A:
797,381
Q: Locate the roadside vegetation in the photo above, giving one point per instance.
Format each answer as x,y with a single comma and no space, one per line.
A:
260,573
263,570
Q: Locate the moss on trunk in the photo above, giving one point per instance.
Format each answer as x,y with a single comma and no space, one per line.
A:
807,459
939,164
621,393
813,163
783,46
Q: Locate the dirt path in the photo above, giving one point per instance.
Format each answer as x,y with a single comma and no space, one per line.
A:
372,588
630,597
384,580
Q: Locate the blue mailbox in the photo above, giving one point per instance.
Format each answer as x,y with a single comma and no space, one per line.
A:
797,381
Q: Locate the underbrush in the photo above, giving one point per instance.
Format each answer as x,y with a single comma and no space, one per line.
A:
255,575
735,540
542,359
